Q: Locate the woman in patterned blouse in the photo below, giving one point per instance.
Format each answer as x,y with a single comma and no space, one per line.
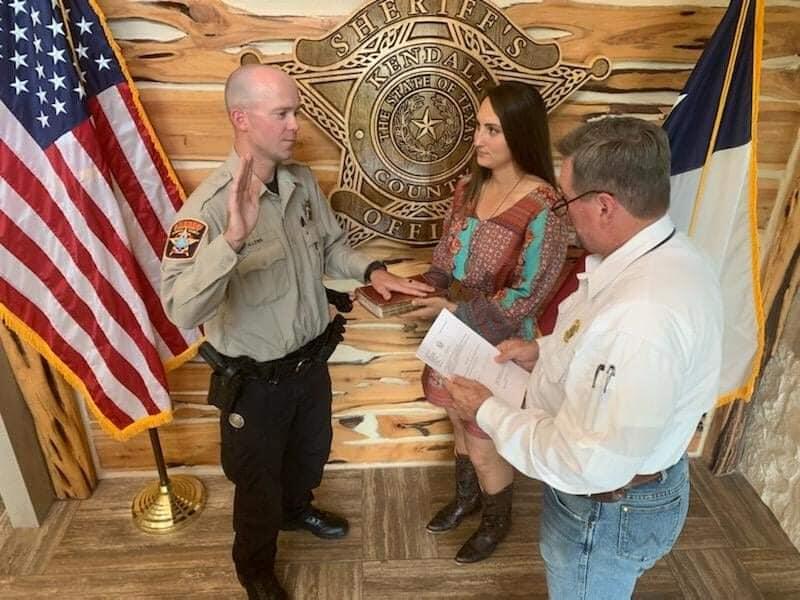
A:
501,252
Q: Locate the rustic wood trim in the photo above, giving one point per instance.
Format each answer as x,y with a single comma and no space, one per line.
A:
59,427
782,234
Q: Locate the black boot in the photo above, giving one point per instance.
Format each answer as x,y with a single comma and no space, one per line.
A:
495,523
266,588
466,502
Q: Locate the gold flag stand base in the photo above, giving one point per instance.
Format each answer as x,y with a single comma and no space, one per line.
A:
163,506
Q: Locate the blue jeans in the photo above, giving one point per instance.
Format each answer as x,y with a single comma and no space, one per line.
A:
597,550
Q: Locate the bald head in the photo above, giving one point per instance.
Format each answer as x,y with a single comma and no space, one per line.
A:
262,103
249,84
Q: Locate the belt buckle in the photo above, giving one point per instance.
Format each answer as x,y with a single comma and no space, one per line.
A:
300,363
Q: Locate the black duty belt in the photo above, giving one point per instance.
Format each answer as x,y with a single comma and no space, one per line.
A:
317,350
230,372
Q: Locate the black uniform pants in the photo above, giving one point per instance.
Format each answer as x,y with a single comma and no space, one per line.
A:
275,460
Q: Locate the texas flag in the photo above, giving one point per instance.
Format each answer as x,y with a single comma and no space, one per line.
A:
714,188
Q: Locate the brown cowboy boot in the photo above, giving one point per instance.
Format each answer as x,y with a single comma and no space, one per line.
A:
466,502
495,523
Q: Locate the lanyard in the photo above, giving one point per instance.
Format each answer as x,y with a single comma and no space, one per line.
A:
661,243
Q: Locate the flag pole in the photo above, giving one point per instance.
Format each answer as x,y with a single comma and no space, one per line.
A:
165,505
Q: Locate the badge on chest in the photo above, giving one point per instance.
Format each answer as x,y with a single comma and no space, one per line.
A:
572,330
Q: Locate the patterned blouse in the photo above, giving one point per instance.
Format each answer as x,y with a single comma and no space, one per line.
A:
500,271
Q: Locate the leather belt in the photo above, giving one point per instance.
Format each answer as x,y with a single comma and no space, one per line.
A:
619,493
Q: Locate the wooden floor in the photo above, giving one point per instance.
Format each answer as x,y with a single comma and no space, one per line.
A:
731,548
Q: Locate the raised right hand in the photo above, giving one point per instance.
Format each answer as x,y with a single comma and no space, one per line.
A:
524,353
243,204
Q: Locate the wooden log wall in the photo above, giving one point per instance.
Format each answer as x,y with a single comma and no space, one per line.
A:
58,422
180,53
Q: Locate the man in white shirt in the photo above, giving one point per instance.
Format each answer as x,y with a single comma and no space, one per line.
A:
617,389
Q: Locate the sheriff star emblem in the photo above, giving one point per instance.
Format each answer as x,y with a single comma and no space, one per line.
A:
184,237
397,86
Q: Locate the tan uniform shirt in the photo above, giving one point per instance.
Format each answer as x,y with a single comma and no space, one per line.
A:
268,299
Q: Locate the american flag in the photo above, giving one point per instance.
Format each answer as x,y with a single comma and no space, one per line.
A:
86,199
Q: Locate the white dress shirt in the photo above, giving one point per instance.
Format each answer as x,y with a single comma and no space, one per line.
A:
631,366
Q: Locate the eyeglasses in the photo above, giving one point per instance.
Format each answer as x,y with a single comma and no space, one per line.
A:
560,207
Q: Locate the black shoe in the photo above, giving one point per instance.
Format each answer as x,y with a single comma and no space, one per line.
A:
265,589
322,524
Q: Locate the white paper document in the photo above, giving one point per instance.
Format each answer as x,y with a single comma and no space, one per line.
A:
452,348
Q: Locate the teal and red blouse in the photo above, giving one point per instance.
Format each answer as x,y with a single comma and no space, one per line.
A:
504,267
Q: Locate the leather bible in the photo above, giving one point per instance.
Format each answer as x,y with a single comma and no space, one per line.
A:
398,304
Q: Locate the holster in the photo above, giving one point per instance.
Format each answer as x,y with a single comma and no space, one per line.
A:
226,379
341,300
333,335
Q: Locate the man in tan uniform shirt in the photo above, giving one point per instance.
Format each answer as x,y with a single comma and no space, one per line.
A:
245,257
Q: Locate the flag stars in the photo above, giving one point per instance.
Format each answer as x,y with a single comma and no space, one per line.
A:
39,70
19,59
84,25
57,81
42,95
80,91
57,54
102,63
19,33
20,85
18,6
43,119
58,106
37,43
81,50
35,17
56,27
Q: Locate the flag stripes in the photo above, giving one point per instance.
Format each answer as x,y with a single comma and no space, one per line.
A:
86,199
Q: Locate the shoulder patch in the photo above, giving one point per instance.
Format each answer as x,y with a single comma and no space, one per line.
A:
184,237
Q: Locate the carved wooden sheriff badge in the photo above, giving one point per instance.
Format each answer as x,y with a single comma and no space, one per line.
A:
397,87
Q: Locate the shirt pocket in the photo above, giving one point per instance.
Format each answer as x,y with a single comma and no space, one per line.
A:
263,274
554,364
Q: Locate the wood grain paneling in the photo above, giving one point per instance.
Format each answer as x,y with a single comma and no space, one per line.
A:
652,47
712,575
627,33
395,507
517,577
27,551
740,512
775,572
91,549
324,580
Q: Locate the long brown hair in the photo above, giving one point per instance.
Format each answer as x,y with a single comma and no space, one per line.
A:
523,117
